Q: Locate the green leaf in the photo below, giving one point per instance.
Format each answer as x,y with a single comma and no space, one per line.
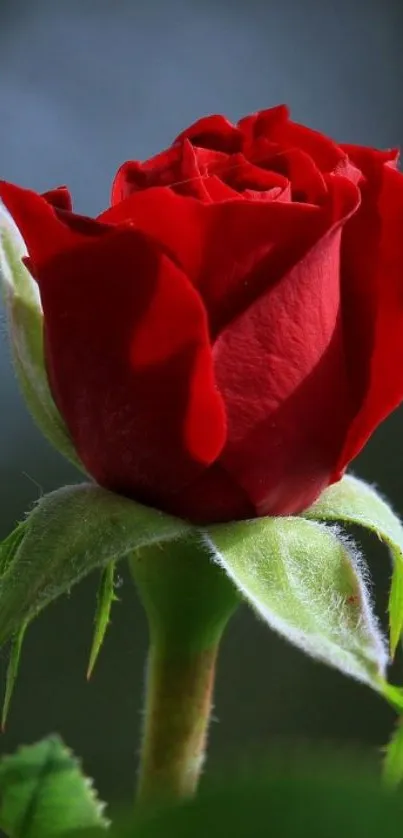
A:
12,672
25,320
393,761
69,533
307,582
44,793
105,598
354,502
306,798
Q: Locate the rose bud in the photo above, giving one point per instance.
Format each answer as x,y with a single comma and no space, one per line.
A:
222,341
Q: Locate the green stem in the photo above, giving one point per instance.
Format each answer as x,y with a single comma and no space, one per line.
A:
178,710
188,602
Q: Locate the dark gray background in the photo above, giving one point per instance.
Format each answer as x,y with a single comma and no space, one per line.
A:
84,85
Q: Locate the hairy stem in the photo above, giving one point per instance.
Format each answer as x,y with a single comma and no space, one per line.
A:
180,692
188,602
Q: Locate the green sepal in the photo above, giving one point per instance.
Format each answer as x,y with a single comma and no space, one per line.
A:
393,694
393,759
105,597
25,321
12,672
69,533
9,546
308,583
43,793
354,502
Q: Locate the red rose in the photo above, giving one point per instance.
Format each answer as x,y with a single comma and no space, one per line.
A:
223,340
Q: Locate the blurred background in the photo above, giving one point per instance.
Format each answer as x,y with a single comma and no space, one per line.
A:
84,86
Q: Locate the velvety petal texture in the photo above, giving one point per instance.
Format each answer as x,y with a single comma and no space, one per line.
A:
226,336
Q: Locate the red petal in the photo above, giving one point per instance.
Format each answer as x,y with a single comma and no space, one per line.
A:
370,160
214,497
59,198
233,249
177,223
274,124
280,367
373,297
215,132
46,231
218,245
130,366
161,170
324,151
184,168
243,175
263,123
252,245
217,190
307,182
249,246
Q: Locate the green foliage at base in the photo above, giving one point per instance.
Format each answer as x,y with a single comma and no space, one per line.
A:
306,798
43,793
